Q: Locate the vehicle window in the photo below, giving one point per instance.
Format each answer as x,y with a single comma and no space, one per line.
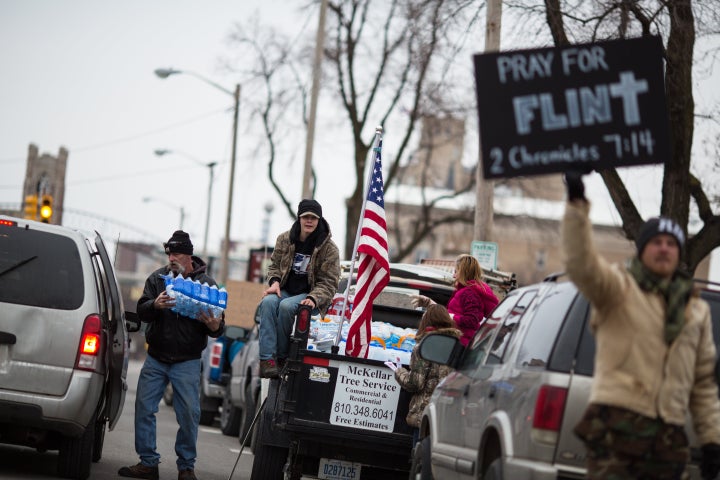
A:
506,333
585,361
475,353
565,353
543,329
40,269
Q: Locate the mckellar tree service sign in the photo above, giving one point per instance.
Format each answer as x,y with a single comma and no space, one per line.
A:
548,110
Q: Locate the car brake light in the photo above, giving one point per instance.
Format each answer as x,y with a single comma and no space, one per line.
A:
7,223
549,408
90,344
216,354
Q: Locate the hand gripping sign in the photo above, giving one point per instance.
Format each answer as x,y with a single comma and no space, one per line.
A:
584,106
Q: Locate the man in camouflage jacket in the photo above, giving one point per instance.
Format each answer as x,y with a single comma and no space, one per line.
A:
655,354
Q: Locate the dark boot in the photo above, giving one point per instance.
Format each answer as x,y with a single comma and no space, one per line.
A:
140,471
187,474
268,369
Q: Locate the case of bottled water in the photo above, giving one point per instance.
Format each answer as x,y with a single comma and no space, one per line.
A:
192,297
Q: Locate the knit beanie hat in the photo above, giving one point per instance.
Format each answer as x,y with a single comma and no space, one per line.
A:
656,226
309,207
179,243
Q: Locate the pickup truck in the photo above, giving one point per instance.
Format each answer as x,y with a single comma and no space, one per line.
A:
331,416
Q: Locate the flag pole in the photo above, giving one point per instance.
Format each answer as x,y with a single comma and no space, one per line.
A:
377,144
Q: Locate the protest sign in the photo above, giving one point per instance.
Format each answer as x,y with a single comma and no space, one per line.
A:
584,106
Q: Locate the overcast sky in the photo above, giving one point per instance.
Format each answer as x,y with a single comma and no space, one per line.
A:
79,74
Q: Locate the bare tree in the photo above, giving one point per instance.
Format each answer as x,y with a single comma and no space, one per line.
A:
276,91
389,62
675,21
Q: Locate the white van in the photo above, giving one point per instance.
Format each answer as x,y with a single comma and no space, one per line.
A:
63,342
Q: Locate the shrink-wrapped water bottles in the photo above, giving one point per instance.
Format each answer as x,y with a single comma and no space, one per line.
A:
192,297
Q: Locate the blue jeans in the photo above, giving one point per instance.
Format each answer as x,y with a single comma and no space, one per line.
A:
185,380
277,316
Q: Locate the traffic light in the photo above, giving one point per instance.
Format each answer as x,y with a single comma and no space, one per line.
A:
31,207
46,208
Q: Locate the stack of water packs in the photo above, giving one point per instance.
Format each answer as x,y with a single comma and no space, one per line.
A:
192,297
387,341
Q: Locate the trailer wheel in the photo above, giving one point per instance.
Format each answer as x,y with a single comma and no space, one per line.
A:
269,463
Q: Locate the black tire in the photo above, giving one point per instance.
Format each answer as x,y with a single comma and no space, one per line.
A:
269,463
248,414
75,455
99,440
230,416
420,469
207,417
494,471
168,395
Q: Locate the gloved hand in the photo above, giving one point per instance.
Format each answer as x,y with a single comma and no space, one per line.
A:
421,301
575,185
710,465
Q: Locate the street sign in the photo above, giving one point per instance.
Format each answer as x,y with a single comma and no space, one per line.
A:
583,106
486,253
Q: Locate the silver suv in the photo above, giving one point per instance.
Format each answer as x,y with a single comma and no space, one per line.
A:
63,342
518,390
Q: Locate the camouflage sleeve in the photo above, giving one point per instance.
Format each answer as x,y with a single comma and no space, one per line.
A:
278,253
325,281
413,379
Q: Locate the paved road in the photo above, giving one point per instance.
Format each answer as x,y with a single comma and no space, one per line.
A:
217,453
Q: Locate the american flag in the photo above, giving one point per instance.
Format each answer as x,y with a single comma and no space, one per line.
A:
374,269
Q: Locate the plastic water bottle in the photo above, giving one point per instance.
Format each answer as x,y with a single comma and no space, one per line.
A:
213,296
205,293
169,284
186,299
180,297
195,300
214,300
222,298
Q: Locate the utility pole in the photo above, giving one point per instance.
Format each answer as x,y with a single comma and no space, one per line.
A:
317,73
224,258
485,194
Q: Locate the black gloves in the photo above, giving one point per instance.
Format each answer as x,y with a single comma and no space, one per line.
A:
710,465
575,186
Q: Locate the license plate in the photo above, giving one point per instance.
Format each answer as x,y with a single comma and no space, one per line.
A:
338,470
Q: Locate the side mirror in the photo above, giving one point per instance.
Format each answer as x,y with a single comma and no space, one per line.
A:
132,322
442,349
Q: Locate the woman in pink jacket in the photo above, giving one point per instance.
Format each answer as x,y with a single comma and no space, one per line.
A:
472,301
